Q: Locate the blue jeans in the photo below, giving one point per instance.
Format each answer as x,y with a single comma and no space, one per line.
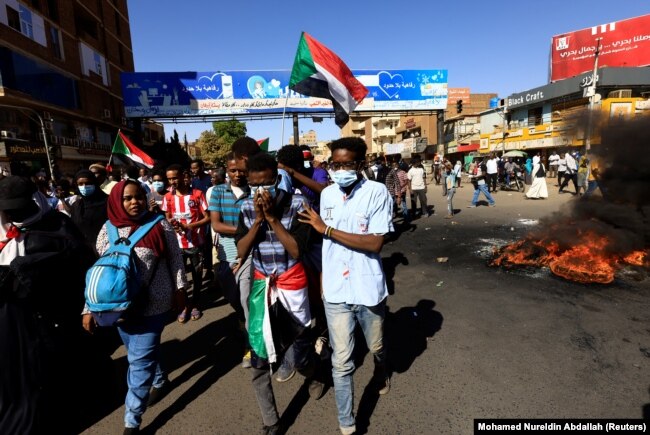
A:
450,197
341,320
482,188
142,341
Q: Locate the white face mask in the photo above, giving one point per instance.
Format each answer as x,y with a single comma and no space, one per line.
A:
345,178
307,164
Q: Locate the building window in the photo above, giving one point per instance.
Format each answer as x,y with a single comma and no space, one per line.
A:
118,28
120,52
53,10
86,24
26,22
36,4
13,18
57,45
535,117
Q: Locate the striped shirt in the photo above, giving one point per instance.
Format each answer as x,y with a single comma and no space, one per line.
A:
187,209
223,200
269,255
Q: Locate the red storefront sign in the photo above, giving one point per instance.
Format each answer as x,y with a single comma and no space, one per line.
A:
624,43
469,147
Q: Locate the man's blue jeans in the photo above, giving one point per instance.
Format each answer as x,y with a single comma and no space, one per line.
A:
142,341
341,321
482,188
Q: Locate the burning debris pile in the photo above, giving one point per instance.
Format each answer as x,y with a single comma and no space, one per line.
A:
589,240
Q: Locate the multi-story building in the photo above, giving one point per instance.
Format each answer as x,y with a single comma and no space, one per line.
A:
305,138
417,134
549,117
60,64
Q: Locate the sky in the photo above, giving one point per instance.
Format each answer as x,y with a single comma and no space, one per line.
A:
493,46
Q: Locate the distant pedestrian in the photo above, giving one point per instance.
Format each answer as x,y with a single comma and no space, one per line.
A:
480,186
418,187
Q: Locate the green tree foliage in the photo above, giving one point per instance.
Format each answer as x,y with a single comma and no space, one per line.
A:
217,143
229,131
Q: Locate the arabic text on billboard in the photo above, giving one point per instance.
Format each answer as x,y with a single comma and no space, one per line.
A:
240,92
624,43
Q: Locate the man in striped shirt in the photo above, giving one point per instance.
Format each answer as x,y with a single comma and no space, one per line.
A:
268,228
186,209
233,273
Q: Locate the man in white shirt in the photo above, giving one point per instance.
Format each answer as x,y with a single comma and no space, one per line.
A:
553,162
418,185
492,172
571,173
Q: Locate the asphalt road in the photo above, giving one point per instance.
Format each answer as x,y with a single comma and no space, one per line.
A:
465,341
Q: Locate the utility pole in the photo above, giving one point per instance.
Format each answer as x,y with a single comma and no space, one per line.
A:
40,120
296,137
592,98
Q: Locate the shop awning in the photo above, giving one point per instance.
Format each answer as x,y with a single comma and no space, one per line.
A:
469,147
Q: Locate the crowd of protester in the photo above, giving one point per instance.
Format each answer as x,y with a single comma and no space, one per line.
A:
292,244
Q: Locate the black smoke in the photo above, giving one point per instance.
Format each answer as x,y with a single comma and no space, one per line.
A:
620,210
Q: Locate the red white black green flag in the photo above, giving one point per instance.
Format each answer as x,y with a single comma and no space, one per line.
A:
127,154
318,72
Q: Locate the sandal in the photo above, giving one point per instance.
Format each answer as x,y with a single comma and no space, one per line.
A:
196,314
183,317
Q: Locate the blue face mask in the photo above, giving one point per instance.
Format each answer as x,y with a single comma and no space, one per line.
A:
345,178
158,186
87,189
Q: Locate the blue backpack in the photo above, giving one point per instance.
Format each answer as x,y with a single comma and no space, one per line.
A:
112,283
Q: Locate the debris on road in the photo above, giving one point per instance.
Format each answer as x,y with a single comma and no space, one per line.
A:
442,259
439,284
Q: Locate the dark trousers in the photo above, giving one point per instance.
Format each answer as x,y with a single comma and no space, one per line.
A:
420,195
572,177
560,176
492,182
299,355
194,266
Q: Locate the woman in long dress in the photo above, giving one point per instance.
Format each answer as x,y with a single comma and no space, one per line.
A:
538,188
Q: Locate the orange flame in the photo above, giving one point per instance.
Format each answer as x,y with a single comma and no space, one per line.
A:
589,260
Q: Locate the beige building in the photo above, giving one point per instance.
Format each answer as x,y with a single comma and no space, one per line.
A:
417,132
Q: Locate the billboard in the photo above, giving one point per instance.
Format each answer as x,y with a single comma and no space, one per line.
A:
624,43
455,94
178,94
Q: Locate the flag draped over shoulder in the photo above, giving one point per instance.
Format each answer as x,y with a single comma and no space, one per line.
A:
278,312
318,72
127,154
264,144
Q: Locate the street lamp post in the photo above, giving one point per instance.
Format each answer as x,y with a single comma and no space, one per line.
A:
40,120
592,97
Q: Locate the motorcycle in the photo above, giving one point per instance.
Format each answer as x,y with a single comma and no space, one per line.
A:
516,181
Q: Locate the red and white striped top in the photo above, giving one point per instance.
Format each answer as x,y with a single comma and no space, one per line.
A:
187,209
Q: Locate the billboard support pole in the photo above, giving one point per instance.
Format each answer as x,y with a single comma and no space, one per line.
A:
592,98
296,138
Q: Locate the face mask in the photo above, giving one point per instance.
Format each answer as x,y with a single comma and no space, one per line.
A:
87,190
345,178
307,164
270,188
158,186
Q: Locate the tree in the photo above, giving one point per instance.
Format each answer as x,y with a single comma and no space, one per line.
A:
217,143
213,149
229,131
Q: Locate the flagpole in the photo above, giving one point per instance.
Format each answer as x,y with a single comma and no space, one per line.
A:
284,111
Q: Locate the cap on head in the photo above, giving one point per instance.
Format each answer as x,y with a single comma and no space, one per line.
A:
16,192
